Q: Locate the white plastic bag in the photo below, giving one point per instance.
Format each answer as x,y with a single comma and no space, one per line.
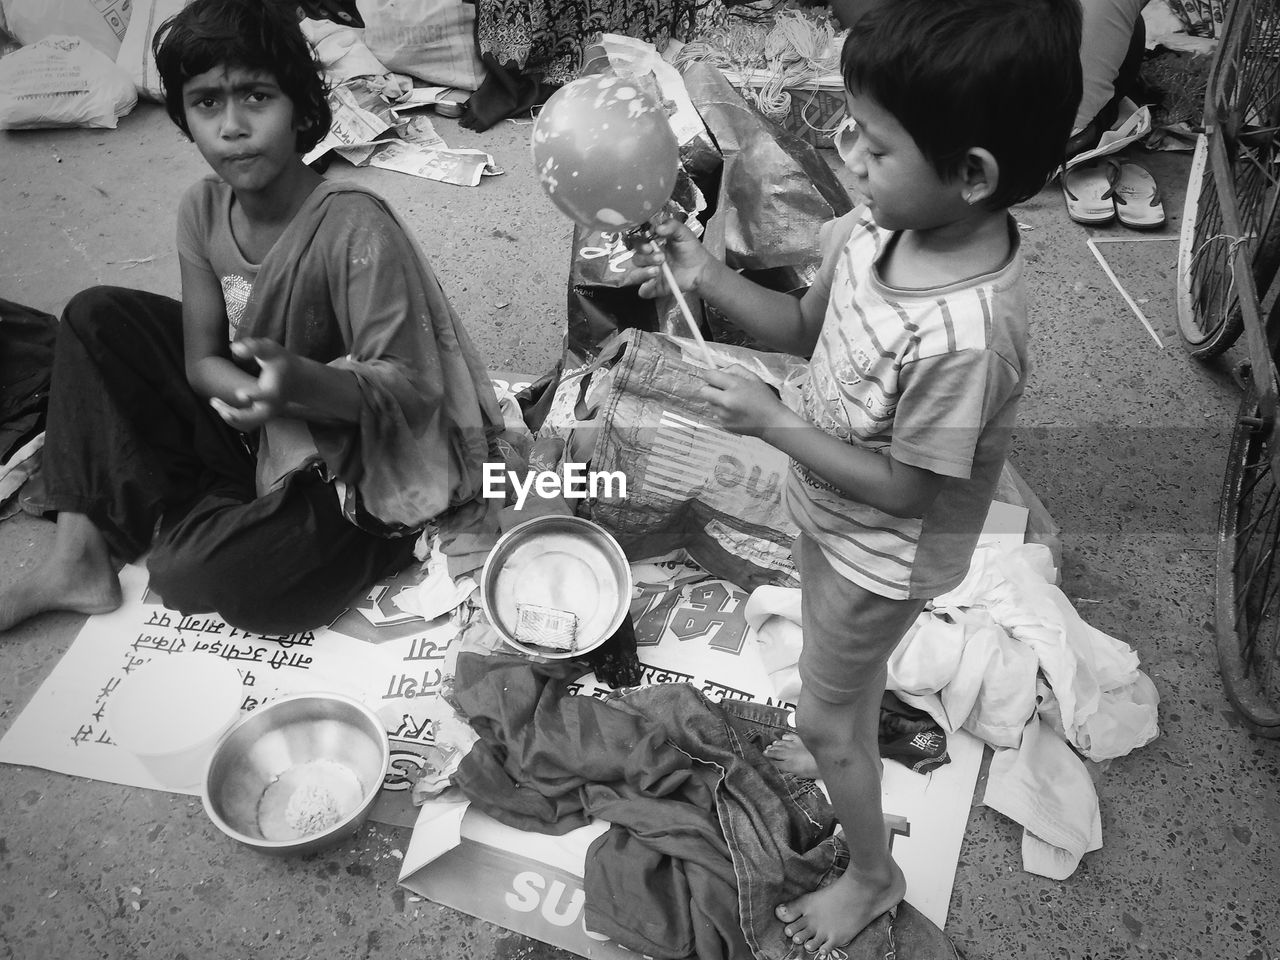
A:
432,40
135,57
62,82
99,22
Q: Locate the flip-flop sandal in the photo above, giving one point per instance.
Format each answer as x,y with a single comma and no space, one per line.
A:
1088,190
1137,198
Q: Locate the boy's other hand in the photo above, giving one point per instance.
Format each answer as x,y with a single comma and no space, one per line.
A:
268,396
680,249
744,403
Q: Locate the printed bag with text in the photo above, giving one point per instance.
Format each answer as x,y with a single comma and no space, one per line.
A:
689,483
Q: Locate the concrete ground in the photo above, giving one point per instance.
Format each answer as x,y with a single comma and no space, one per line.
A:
1124,441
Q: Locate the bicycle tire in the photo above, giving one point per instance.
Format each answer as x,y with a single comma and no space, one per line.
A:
1209,317
1247,611
1233,193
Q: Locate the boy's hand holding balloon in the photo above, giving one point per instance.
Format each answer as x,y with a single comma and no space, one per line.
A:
606,156
673,245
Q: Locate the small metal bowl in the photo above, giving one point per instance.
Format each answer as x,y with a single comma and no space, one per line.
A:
294,743
564,563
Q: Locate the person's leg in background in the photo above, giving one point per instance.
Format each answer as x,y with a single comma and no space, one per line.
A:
1113,41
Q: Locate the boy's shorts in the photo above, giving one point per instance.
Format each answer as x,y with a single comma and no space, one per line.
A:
849,632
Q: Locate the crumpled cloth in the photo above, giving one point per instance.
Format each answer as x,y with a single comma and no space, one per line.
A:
1106,706
1043,786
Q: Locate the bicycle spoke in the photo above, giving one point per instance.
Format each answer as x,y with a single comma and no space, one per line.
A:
1257,538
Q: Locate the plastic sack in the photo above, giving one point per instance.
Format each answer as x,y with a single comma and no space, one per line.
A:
62,82
689,483
135,57
776,191
431,40
341,52
101,23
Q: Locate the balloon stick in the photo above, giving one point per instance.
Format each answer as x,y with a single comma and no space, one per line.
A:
688,315
644,234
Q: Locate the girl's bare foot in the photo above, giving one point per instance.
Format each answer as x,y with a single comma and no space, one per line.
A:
829,919
77,576
792,756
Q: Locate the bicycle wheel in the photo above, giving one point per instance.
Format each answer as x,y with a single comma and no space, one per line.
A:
1248,602
1233,192
1208,309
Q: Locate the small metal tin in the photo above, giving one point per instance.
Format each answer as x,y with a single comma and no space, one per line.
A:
565,563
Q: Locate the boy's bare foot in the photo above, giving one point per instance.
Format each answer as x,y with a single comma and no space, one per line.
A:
792,756
830,918
77,576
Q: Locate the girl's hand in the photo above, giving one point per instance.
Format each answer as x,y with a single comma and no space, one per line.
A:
267,398
680,250
744,403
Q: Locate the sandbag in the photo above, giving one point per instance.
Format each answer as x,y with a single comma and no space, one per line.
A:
341,52
62,82
101,23
430,40
135,57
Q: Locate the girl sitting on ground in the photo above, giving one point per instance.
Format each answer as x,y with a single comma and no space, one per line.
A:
275,439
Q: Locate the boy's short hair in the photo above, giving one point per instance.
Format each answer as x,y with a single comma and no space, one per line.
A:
1003,75
254,35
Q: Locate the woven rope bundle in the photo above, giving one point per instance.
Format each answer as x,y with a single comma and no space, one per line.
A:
796,48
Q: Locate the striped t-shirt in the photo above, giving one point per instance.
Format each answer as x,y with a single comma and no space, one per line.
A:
930,377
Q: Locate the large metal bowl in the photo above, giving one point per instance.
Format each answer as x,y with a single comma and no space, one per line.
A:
318,734
565,563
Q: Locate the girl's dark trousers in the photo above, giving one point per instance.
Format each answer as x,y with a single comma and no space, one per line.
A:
130,445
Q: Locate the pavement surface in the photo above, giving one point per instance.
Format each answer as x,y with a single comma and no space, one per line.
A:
1124,441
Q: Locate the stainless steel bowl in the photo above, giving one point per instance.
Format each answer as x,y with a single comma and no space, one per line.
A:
314,733
564,563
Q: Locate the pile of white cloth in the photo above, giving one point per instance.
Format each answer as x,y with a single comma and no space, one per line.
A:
1006,657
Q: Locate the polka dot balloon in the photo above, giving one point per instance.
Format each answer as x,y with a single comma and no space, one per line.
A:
605,153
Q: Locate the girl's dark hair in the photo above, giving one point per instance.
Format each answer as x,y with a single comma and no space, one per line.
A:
251,34
1003,75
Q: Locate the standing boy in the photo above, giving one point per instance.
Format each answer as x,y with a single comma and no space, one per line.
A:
916,325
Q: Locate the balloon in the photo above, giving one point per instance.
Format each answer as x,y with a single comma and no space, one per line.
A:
605,153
